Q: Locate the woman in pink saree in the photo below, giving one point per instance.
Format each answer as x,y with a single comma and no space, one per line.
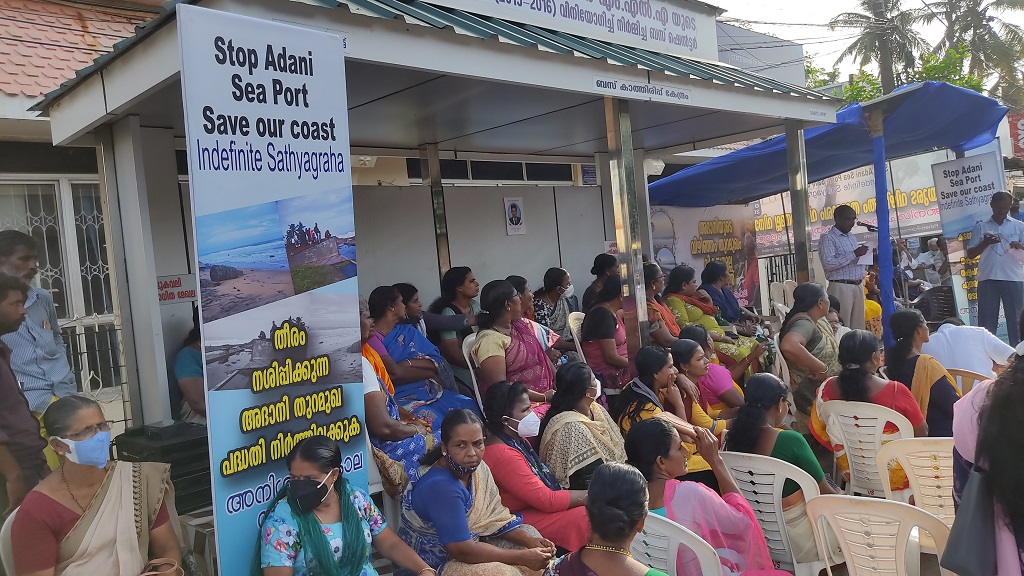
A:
727,522
512,348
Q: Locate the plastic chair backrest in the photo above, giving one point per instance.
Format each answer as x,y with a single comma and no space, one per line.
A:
467,352
657,546
6,549
777,292
576,328
790,287
928,463
782,368
965,379
873,533
782,310
859,427
761,480
374,484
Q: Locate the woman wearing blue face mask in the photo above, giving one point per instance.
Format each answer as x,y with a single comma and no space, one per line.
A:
527,486
74,521
320,524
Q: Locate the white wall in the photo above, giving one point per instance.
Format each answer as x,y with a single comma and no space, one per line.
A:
581,232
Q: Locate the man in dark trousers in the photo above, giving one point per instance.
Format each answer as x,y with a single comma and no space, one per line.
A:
22,464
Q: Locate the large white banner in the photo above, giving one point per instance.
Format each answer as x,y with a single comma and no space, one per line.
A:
268,152
964,188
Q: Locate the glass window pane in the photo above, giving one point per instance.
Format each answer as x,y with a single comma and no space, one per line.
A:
32,208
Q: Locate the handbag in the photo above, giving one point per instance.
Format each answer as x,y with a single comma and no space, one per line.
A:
971,549
163,567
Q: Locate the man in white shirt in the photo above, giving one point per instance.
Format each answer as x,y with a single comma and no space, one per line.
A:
1000,274
840,253
967,348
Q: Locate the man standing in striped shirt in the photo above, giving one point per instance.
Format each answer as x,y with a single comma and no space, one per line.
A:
839,252
38,354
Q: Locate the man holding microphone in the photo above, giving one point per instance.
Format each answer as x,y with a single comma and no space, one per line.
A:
839,254
1000,274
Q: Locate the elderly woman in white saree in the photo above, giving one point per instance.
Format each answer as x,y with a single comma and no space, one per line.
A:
93,516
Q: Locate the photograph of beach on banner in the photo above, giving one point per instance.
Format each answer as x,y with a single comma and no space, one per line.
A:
320,239
242,260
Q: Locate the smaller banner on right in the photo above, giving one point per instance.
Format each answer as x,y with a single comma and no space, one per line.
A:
964,188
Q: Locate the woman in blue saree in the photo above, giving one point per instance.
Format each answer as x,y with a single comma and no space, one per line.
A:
423,379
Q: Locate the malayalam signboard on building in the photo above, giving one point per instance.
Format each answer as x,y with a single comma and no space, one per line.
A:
1016,122
268,153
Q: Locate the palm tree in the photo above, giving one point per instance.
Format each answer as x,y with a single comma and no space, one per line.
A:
993,44
887,37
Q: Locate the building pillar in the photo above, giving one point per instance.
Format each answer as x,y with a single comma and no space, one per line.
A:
430,171
796,159
626,207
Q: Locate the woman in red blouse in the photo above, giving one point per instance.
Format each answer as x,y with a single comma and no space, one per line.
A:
527,486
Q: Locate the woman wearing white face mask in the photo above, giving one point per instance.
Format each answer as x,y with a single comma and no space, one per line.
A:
551,305
527,486
74,521
577,434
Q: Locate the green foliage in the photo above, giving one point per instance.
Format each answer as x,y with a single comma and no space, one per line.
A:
949,68
818,77
863,86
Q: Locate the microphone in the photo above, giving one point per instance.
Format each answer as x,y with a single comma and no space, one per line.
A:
870,227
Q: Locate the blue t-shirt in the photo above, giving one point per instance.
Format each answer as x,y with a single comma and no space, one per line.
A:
281,545
188,363
441,499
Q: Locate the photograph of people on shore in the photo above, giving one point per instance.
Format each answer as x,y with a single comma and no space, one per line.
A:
242,260
319,235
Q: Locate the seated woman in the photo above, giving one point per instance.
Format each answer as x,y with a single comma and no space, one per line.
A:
691,364
428,322
616,507
320,524
577,434
757,429
458,290
807,343
663,327
527,486
605,266
512,348
525,296
652,394
74,520
393,430
691,306
453,517
727,522
861,355
604,337
188,372
931,385
551,302
719,392
715,280
423,380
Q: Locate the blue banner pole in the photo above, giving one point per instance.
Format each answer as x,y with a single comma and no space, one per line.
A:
885,263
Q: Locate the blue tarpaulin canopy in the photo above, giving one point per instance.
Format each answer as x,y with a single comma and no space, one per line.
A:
919,117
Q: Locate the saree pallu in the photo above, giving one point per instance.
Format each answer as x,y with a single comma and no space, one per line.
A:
378,367
526,358
927,372
571,441
687,312
429,399
405,452
487,517
658,312
112,536
805,389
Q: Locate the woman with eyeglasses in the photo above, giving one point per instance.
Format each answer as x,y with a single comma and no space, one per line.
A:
663,326
74,522
320,524
757,429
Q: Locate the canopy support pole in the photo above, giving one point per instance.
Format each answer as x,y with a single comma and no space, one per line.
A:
623,181
885,263
430,169
796,160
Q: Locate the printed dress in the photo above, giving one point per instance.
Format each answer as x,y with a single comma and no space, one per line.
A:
281,545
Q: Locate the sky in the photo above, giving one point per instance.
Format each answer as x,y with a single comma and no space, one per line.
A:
818,40
329,210
235,228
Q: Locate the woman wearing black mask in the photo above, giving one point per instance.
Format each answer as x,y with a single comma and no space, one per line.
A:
320,524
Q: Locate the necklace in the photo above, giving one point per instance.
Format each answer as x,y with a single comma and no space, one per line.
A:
70,493
622,551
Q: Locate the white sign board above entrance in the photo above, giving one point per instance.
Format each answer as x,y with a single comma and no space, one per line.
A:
678,28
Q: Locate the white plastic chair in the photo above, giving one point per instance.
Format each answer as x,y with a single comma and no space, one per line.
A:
761,480
858,426
467,352
576,327
657,546
965,380
6,550
928,463
392,509
789,286
777,292
877,536
781,310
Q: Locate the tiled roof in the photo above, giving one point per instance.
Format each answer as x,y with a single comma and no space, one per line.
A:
42,44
